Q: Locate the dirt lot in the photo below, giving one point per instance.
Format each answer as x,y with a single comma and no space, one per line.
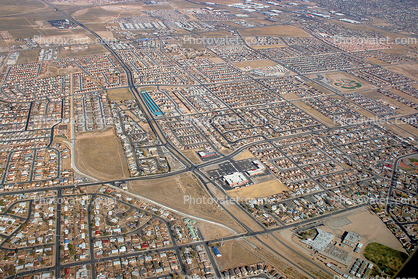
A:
209,231
236,253
315,114
120,94
255,64
404,130
28,56
368,225
282,31
192,156
178,192
378,96
52,71
226,151
223,2
246,154
65,39
10,7
260,190
67,52
100,154
187,5
408,70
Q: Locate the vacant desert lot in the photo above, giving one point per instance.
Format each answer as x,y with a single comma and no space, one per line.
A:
179,192
100,155
264,189
280,31
120,94
237,253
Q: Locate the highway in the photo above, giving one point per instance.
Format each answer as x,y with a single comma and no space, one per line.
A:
189,167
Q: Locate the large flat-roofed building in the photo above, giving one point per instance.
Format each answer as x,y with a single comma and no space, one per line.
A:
236,179
321,240
259,169
351,238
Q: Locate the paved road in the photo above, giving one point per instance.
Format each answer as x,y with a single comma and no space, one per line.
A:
189,167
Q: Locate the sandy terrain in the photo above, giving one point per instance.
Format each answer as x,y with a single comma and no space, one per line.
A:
100,154
192,156
368,225
407,70
281,31
242,216
178,192
264,189
209,231
246,154
315,114
236,253
255,64
120,94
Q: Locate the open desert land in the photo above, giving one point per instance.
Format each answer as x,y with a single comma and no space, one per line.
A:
377,61
236,253
28,56
289,96
102,14
33,24
195,42
210,231
254,64
20,27
19,7
315,114
260,21
76,51
178,193
279,31
147,88
100,155
403,109
408,70
246,154
63,40
226,151
192,156
320,88
221,2
187,4
119,94
260,190
403,95
52,71
365,223
217,192
402,129
379,22
255,46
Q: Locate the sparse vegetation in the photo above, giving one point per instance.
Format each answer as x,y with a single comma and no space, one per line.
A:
388,260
